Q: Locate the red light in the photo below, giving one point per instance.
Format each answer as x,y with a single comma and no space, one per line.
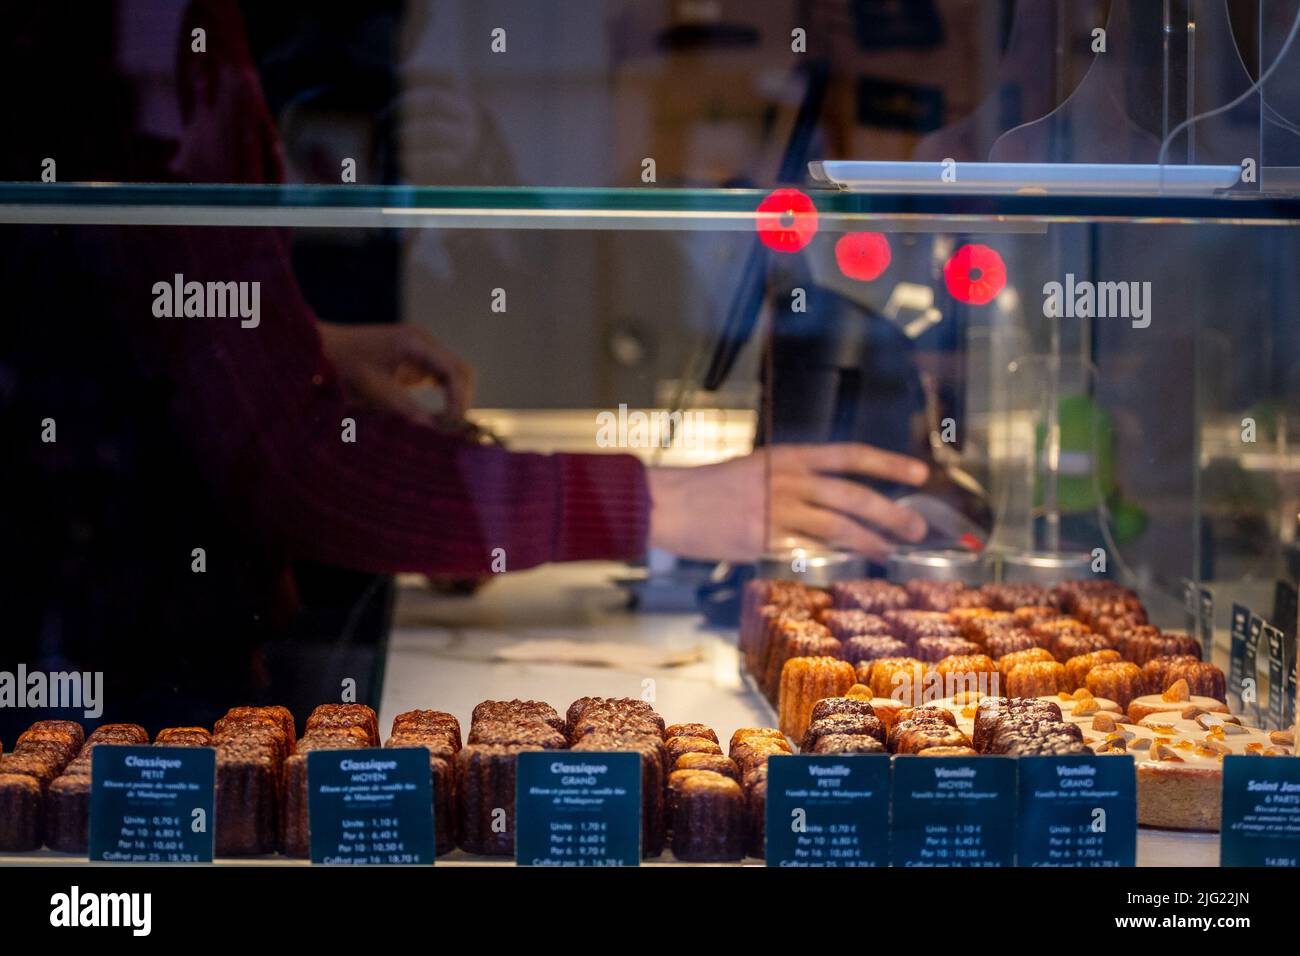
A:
975,274
786,220
862,255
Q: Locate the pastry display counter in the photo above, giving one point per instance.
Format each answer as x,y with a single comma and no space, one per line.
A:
421,429
563,633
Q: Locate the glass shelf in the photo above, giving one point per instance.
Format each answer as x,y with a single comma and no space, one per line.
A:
648,208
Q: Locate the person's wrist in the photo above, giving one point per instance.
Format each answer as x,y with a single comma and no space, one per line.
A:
663,485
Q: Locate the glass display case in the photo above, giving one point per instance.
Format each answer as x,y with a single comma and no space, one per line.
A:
765,395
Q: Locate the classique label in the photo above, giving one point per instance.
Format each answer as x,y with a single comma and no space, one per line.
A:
954,811
578,809
1260,823
827,810
371,806
152,804
1077,810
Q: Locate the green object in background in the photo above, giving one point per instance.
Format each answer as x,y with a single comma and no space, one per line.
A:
1086,474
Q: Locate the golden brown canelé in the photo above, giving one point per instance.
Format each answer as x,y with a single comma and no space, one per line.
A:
916,734
1155,672
709,816
714,762
67,802
847,744
183,737
803,639
1028,656
992,712
515,710
1121,681
520,730
867,648
444,724
773,621
602,714
744,733
933,649
439,734
485,789
755,787
911,624
841,705
252,744
1007,641
651,750
868,594
1036,679
691,730
676,746
1203,678
866,725
21,810
1139,650
295,818
753,752
844,623
280,716
1076,668
1075,644
806,680
942,595
328,716
39,756
979,623
967,672
902,678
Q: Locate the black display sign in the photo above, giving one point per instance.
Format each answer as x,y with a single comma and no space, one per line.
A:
1260,823
954,811
827,810
1237,658
578,809
370,806
1078,810
1277,678
152,804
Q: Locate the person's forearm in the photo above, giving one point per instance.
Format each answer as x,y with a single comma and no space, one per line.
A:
352,487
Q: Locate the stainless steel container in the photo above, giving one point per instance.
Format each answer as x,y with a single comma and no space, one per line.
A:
967,567
1042,567
818,569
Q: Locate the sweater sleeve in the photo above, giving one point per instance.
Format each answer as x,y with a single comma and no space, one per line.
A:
350,486
267,413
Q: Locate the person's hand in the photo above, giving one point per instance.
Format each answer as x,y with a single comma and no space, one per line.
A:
440,131
380,365
783,496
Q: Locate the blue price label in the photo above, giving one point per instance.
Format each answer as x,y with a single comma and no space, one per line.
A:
828,810
954,811
1260,823
370,806
1077,810
152,804
578,809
